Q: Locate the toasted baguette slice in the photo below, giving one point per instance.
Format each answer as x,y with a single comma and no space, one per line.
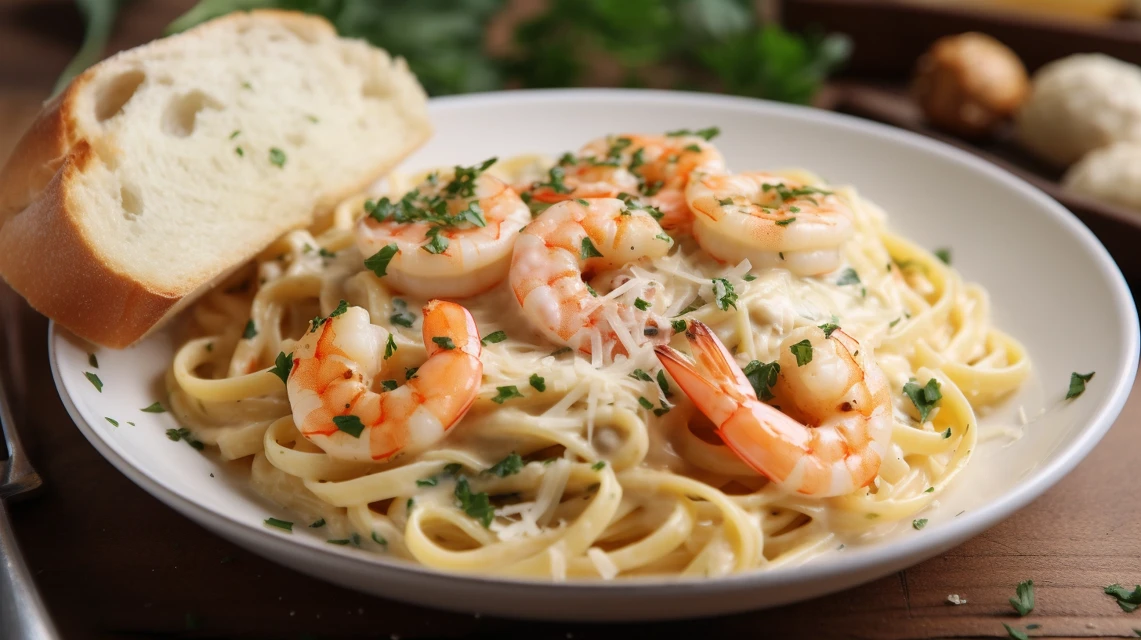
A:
163,168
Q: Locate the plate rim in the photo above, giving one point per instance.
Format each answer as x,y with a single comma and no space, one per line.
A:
867,561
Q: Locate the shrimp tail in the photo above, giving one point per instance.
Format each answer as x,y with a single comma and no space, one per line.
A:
705,393
716,362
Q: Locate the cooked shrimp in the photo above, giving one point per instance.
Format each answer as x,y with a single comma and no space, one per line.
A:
653,168
452,239
331,385
834,423
576,238
769,220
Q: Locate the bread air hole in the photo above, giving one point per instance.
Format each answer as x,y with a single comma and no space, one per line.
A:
115,93
182,112
131,201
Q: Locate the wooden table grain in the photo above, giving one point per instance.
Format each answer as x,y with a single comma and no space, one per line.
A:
113,562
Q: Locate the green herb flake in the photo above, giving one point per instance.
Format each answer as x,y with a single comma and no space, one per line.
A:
475,505
828,328
154,407
748,277
280,524
506,393
723,294
1128,600
379,539
1015,634
589,250
282,366
402,315
277,157
639,374
664,384
803,352
1023,602
848,276
92,360
763,377
944,255
318,524
235,133
929,490
444,342
494,338
599,466
114,422
378,262
641,304
786,222
678,325
560,351
240,151
184,434
646,404
538,382
350,424
453,469
925,398
341,542
919,524
947,433
508,466
1078,384
430,481
342,307
388,385
390,347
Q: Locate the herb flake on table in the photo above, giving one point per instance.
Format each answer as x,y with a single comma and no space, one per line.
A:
1023,602
1128,600
184,434
1015,634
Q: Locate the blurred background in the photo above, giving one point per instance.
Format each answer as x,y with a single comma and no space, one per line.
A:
968,72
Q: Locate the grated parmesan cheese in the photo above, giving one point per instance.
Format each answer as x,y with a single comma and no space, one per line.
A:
955,599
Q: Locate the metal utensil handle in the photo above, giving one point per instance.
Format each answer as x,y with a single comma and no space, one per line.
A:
22,613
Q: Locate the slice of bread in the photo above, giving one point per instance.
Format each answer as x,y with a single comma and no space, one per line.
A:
163,168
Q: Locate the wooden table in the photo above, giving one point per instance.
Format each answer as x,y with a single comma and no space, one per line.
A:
113,562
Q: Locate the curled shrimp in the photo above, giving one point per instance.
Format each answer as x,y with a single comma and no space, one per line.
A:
769,220
331,385
452,238
834,424
578,238
652,168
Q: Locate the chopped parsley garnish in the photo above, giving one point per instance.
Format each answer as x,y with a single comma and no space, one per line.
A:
707,133
506,393
924,398
929,490
560,351
92,360
410,372
591,290
894,322
663,237
430,481
235,133
350,424
155,407
678,325
663,410
1078,384
599,466
390,347
1015,634
723,294
786,221
947,433
582,202
692,148
251,330
444,342
919,524
453,469
589,250
646,404
538,382
280,524
318,524
475,505
641,304
342,307
793,210
463,180
639,374
725,202
184,434
388,385
828,328
508,466
944,255
114,422
763,376
748,277
282,366
494,338
325,253
664,384
1128,600
342,542
402,316
1023,603
277,157
240,151
652,188
436,243
803,352
379,539
408,505
554,182
378,262
848,276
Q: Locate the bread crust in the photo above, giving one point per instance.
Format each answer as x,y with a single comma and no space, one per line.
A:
45,254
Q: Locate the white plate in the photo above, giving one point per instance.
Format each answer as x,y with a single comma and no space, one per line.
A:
1053,286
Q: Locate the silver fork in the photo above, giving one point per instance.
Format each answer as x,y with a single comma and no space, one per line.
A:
22,613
